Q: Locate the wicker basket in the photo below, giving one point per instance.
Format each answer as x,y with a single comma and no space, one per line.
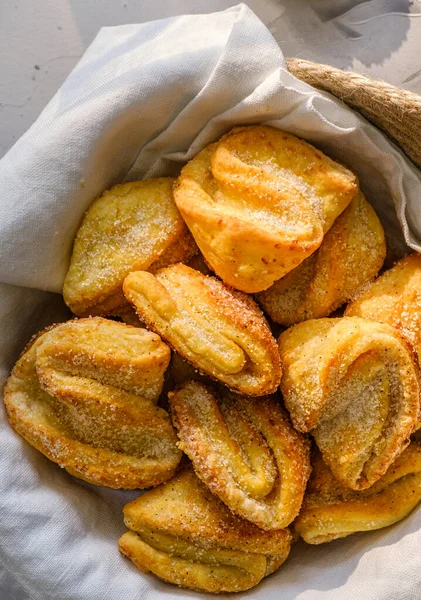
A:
396,112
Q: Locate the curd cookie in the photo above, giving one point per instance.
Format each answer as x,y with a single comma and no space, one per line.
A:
331,511
84,392
355,385
394,298
351,255
133,226
259,201
222,332
245,450
185,535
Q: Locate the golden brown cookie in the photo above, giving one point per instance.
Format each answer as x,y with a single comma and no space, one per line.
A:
133,226
84,392
183,534
259,201
245,450
355,385
220,331
394,298
331,511
352,253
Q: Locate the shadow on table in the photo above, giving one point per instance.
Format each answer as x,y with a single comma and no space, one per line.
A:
338,32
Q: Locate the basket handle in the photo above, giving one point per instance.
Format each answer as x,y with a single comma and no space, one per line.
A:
396,112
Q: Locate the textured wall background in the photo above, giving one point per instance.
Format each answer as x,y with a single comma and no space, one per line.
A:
41,41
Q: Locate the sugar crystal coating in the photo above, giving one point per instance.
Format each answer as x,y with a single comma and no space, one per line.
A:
355,385
331,511
131,226
259,201
245,450
219,330
185,535
351,254
84,393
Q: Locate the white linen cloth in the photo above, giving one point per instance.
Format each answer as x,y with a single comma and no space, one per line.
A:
143,100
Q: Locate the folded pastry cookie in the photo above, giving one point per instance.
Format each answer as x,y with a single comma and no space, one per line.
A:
84,392
245,450
395,298
259,201
133,226
331,511
183,534
355,385
220,331
351,254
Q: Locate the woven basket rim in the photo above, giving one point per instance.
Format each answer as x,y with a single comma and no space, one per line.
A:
395,111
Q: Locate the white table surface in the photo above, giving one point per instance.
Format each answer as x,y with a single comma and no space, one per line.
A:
41,41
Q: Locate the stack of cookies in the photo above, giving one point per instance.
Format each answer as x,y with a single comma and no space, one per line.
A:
170,375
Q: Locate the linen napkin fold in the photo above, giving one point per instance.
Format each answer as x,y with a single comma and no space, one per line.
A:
143,100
